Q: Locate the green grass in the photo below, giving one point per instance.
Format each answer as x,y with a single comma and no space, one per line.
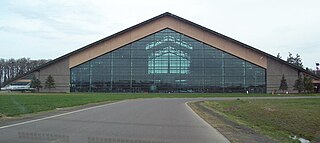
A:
13,104
276,118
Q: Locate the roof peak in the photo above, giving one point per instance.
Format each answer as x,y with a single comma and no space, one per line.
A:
167,14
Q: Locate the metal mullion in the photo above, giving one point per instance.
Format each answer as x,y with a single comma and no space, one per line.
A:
111,72
130,68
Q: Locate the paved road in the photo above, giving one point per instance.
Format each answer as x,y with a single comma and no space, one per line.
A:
132,121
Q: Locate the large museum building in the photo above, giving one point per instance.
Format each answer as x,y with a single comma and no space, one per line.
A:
168,54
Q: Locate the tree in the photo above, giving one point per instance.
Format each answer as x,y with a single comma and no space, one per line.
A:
2,62
279,56
299,84
298,61
308,85
11,68
49,82
295,60
317,71
290,59
35,83
283,84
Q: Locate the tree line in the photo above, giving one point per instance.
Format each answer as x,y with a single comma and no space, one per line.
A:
296,60
301,84
293,60
36,83
11,68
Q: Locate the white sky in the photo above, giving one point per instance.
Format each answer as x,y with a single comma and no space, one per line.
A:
47,29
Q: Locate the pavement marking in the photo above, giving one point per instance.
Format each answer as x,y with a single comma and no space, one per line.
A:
45,118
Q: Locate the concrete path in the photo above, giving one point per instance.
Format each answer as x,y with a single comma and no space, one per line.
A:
160,120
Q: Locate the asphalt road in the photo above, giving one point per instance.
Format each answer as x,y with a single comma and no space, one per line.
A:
132,121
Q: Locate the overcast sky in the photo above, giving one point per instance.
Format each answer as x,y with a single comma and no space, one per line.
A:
47,29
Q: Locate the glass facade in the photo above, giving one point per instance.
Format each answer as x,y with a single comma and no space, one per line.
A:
168,61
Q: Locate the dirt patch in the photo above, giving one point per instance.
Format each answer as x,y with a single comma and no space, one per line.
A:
234,132
232,108
270,109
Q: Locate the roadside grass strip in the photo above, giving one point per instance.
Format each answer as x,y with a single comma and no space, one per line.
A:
287,120
14,104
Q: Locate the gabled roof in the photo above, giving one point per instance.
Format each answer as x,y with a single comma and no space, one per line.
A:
156,18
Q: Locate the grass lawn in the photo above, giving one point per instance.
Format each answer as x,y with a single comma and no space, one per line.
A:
276,118
13,104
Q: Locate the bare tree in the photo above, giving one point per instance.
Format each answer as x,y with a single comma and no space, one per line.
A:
11,68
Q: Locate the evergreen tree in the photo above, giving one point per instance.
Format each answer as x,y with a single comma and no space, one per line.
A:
35,83
283,84
317,70
295,60
279,56
290,59
298,61
308,85
299,84
50,82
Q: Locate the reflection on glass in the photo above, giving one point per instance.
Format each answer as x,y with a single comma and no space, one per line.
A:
167,61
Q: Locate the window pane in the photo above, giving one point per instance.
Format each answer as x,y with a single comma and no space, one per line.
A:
167,61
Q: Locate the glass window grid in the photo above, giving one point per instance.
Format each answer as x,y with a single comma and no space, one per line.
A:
172,63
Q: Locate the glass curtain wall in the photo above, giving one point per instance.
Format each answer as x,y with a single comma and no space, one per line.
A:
169,62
